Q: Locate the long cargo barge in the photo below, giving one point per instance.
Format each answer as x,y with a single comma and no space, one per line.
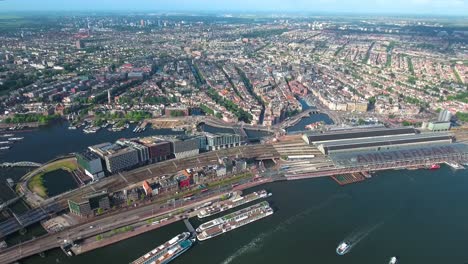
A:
167,251
231,203
234,220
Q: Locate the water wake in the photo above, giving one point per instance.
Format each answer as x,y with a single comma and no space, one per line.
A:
257,242
355,237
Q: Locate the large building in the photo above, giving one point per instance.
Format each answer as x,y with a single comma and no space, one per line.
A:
116,157
444,116
91,164
158,150
185,147
377,139
88,204
142,150
222,141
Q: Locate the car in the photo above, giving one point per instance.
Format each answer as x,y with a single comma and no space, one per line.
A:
90,227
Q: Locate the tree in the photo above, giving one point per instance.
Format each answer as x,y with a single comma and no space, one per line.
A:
100,211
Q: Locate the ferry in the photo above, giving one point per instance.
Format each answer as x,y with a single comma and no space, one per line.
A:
5,148
393,260
16,138
235,220
232,203
168,251
434,166
343,248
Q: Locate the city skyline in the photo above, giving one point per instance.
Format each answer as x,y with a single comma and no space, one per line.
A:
429,7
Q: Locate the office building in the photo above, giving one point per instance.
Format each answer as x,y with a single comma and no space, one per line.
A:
91,163
88,204
222,141
184,147
117,158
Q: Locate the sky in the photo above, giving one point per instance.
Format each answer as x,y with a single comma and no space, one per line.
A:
430,7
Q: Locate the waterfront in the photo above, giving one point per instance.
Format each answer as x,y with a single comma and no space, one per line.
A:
46,143
395,213
404,213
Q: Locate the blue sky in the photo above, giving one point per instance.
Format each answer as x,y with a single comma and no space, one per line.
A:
436,7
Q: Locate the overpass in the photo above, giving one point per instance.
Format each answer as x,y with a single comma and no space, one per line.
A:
20,164
10,202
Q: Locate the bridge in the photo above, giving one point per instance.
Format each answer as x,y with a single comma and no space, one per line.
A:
10,202
294,120
20,164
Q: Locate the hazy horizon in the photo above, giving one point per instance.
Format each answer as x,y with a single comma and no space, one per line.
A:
365,7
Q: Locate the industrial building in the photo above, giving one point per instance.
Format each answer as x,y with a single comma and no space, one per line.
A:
89,204
91,164
116,157
222,141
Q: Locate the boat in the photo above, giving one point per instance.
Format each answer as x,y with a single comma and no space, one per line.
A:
434,166
235,201
314,125
343,248
72,127
5,142
5,148
455,165
16,138
234,220
7,135
168,251
393,260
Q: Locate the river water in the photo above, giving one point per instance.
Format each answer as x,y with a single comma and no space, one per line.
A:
419,216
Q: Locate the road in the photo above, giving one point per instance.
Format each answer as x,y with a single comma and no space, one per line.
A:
104,224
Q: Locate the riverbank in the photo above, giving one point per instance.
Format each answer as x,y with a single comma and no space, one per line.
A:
149,222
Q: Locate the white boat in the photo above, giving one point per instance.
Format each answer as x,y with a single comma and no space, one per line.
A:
343,248
393,260
16,139
4,148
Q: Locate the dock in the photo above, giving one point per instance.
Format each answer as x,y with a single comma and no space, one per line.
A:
348,178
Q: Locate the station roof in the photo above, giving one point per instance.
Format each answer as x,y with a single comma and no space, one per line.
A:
384,141
360,133
363,158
